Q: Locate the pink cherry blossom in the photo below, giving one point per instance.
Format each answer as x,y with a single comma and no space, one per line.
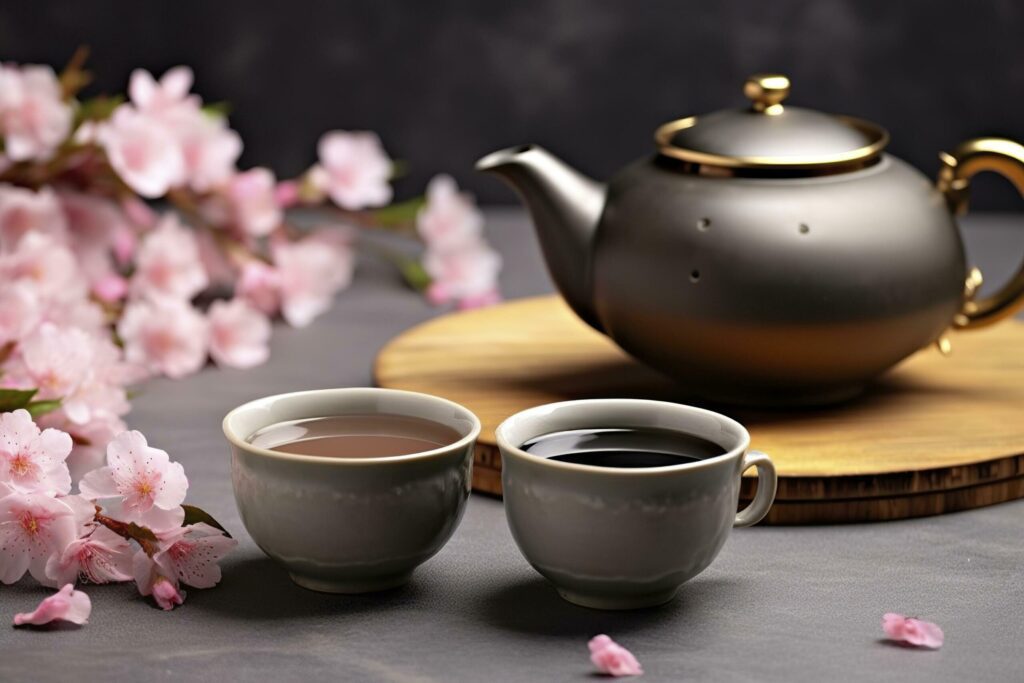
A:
34,119
33,527
239,334
168,337
260,285
163,97
143,483
100,557
45,263
210,148
287,194
450,218
168,263
94,226
190,554
354,169
611,658
110,288
32,461
23,211
464,272
19,310
154,577
89,439
312,270
143,150
138,212
917,632
253,200
67,604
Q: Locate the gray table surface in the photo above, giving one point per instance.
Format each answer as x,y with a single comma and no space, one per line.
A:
778,604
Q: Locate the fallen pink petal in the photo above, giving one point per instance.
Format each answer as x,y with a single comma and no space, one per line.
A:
67,604
612,659
912,631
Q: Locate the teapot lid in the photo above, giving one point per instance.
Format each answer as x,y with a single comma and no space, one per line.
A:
768,135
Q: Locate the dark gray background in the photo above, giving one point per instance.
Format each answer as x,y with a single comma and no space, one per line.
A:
446,81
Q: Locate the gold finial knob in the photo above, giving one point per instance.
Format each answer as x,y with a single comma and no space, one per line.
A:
767,91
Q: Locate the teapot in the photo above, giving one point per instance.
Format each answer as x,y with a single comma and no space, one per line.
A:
767,255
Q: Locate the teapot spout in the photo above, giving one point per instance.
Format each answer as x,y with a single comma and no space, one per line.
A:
566,207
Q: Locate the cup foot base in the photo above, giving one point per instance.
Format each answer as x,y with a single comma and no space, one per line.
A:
351,587
617,602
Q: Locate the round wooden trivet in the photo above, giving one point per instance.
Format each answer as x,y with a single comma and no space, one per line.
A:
937,434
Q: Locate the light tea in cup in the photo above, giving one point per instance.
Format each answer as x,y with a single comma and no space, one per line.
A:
355,436
351,489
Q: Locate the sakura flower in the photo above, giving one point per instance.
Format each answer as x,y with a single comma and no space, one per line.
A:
210,149
143,150
32,461
917,632
57,361
89,440
110,288
101,557
94,226
311,272
287,194
168,263
19,310
463,273
190,554
353,170
169,337
139,213
143,484
167,595
154,577
260,285
254,206
67,604
239,334
34,119
33,527
44,262
161,98
23,211
611,658
450,218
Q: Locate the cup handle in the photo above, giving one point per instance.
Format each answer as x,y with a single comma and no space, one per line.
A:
766,484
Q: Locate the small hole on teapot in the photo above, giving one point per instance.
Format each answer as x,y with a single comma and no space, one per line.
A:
695,276
703,224
804,228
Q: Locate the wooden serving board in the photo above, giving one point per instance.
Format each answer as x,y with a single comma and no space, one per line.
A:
937,434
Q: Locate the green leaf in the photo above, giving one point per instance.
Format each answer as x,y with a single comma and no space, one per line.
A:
399,167
99,108
217,110
37,408
400,213
414,274
13,399
194,515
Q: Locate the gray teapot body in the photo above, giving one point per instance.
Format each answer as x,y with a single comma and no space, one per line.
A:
775,290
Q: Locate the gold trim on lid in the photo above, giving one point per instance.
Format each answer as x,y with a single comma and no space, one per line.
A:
663,138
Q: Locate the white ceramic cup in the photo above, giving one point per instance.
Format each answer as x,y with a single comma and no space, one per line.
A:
350,525
622,538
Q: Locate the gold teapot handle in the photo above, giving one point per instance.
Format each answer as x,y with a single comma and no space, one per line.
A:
1006,158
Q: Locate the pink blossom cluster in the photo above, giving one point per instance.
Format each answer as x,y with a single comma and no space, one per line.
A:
462,266
60,537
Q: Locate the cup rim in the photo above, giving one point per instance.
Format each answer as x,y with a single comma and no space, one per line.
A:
241,443
515,450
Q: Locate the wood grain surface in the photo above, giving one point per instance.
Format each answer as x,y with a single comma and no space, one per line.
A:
937,434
